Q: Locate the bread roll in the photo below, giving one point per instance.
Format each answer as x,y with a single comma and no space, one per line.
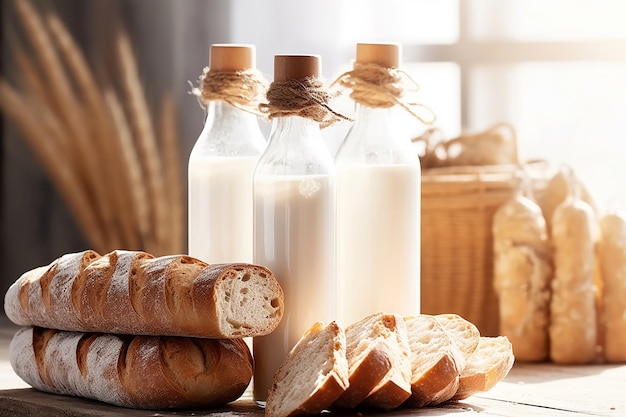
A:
612,260
147,372
573,327
522,275
129,292
313,376
489,364
436,362
376,361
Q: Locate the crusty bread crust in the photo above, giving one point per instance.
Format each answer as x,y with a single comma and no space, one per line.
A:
147,372
365,375
131,292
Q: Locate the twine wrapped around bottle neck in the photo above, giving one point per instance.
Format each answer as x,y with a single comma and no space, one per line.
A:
376,86
241,89
306,97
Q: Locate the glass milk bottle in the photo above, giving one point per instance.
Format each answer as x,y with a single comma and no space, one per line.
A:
221,168
294,225
378,209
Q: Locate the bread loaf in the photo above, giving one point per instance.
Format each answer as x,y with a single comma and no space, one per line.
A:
313,376
129,292
435,360
612,259
147,372
373,352
573,327
522,275
489,364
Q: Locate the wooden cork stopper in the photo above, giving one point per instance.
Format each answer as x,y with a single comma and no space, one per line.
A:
232,57
384,54
295,67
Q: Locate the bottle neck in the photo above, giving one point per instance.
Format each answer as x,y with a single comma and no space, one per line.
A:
221,112
296,147
295,129
229,131
377,138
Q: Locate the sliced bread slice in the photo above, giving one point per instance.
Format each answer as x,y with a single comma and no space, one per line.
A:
371,357
395,387
313,376
436,362
489,364
464,334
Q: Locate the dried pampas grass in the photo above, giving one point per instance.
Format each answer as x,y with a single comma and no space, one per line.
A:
119,180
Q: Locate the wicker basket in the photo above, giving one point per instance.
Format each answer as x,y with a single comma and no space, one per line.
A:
458,204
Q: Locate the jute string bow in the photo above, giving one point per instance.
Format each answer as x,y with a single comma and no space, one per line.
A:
306,97
241,89
376,86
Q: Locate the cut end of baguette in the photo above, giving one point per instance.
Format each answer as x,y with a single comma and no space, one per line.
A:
249,301
313,376
489,364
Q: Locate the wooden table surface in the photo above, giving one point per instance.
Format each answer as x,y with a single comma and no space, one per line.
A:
528,390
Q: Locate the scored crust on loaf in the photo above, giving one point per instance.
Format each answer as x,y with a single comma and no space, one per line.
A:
312,376
489,364
148,372
132,292
436,362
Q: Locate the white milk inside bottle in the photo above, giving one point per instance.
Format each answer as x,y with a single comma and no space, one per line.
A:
297,213
378,244
220,204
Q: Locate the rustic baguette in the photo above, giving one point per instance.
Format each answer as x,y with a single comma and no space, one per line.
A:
130,292
612,256
313,376
148,372
522,275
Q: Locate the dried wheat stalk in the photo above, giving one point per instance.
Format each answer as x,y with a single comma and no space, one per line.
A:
146,140
105,162
36,134
171,164
140,206
111,179
70,111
